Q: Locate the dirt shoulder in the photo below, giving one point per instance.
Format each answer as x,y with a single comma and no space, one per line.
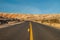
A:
54,25
9,24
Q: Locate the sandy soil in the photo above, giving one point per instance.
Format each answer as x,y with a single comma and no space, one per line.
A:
9,24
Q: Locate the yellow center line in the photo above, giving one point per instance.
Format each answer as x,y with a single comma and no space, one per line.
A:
31,32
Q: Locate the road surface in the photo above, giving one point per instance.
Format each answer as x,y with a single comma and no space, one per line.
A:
20,32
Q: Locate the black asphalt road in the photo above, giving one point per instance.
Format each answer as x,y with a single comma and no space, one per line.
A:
20,32
43,32
16,32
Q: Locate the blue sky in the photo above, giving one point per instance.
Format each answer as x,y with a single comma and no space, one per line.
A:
30,6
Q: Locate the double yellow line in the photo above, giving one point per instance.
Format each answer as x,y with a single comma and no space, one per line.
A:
31,32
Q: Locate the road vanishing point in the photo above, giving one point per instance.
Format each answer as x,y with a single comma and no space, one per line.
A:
29,31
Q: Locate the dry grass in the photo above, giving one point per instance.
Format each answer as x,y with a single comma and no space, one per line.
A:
54,25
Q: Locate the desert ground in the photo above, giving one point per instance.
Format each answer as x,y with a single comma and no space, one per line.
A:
46,19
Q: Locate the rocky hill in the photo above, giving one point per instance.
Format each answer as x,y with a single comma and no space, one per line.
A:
30,16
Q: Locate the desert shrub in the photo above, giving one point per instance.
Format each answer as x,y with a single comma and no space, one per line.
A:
44,20
50,20
54,20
